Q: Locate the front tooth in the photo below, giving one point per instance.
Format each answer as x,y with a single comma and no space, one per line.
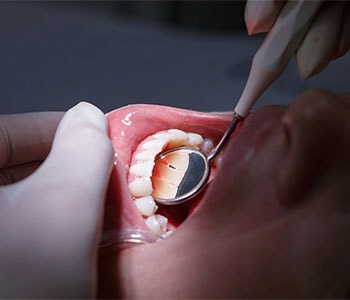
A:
141,187
142,169
157,224
146,205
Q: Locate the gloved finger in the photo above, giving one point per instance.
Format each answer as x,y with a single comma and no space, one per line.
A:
15,173
344,37
56,212
261,15
79,163
26,137
320,42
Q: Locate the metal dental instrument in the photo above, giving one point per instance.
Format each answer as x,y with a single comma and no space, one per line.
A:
268,64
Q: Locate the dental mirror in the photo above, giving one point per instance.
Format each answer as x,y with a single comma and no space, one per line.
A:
181,173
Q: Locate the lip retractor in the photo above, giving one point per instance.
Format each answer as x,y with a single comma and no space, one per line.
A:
268,64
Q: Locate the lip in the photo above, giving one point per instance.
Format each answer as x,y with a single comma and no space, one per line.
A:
129,125
243,161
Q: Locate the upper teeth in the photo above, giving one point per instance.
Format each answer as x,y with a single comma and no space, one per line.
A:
207,146
140,172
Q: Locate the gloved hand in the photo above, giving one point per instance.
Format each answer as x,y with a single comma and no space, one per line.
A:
50,221
327,38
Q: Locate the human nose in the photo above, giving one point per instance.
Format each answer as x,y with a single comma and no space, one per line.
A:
318,130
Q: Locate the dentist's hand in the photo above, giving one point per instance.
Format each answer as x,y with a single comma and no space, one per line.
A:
327,38
50,221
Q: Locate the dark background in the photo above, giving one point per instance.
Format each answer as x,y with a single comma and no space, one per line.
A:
224,16
192,54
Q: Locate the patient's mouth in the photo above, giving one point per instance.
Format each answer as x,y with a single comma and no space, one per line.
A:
146,178
138,133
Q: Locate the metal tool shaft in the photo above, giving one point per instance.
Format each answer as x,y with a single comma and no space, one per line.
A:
224,138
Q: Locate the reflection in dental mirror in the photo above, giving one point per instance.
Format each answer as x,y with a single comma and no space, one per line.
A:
181,173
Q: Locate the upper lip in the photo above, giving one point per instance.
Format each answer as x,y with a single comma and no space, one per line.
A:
144,120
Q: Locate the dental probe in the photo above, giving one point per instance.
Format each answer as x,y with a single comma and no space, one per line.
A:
268,64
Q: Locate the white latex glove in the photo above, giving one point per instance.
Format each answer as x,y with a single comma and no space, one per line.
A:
327,38
50,221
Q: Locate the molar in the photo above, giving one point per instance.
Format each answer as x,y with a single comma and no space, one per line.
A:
194,139
207,146
157,224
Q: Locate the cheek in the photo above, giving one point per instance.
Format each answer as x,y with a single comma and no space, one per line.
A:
243,195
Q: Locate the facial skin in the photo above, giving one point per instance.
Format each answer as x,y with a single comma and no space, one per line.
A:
274,223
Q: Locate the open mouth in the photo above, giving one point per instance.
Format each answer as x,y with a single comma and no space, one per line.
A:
138,134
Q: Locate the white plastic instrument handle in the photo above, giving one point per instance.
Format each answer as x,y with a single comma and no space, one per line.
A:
276,51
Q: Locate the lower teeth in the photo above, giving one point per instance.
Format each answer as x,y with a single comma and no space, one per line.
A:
146,205
157,223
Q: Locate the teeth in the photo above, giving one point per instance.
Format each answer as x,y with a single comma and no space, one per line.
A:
166,180
144,174
164,188
207,146
142,169
146,205
141,187
146,155
176,131
194,140
172,135
157,224
153,144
